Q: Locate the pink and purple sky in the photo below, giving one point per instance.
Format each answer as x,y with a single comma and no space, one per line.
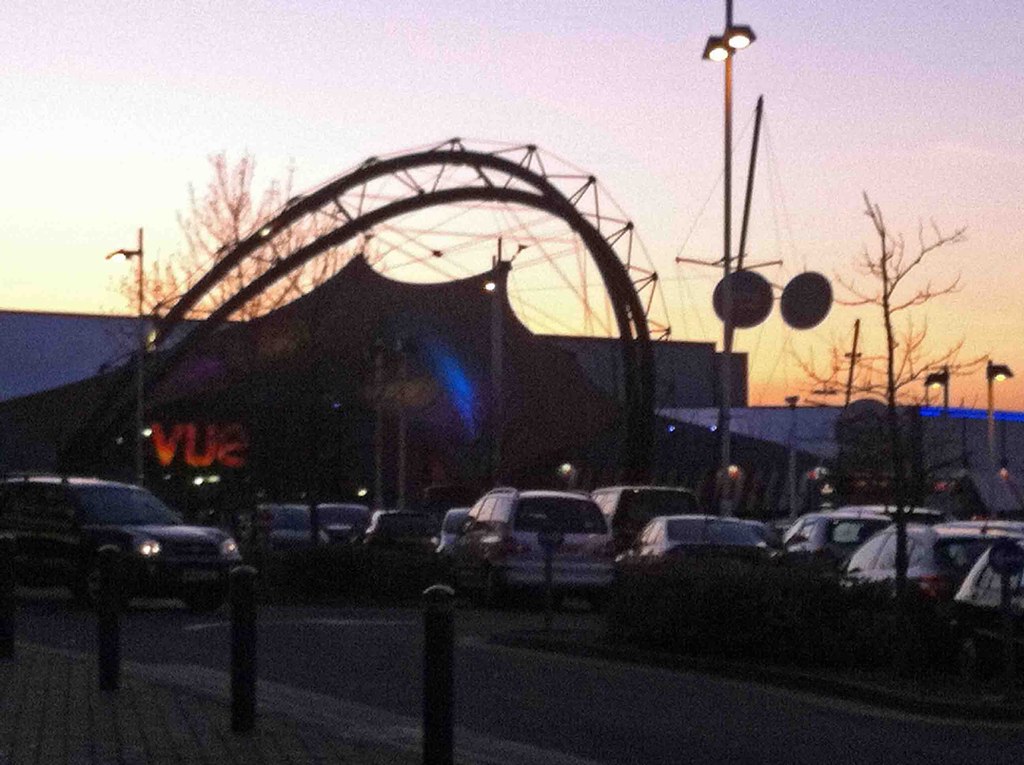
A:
111,109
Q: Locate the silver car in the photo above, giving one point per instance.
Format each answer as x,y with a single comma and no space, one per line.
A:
832,536
939,556
499,549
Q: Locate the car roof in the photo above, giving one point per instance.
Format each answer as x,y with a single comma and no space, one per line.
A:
52,480
890,509
848,513
554,493
975,529
697,517
639,488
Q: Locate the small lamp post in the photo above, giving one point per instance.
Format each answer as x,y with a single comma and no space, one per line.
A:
994,373
939,380
141,357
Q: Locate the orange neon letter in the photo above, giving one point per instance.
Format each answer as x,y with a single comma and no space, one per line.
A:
166,447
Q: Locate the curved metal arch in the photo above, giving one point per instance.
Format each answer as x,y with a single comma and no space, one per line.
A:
399,167
630,316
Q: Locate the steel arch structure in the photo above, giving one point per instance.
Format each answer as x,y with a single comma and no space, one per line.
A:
507,177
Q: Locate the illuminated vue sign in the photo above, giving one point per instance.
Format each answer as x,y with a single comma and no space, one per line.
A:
201,446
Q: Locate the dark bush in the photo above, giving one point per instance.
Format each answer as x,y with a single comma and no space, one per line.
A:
356,573
772,611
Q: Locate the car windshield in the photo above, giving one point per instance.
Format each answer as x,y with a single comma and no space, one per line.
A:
452,521
290,518
959,554
569,515
714,532
123,506
354,515
854,531
649,503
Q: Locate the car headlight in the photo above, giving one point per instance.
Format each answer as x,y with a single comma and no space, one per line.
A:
148,548
229,548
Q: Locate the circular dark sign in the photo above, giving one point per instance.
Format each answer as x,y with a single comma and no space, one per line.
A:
751,298
1006,557
806,300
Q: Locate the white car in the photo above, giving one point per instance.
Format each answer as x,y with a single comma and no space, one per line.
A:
500,548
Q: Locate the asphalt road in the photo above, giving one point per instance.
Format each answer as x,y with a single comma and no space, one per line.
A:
594,709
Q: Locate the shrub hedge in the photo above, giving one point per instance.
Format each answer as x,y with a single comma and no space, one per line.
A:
774,611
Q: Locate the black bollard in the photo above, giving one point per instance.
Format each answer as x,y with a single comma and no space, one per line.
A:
7,607
550,539
438,685
108,622
243,648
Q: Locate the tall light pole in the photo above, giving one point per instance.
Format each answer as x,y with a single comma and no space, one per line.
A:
140,361
791,402
722,48
994,373
497,285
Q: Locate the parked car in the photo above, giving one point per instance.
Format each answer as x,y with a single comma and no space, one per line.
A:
400,530
59,523
449,532
285,526
629,508
938,556
978,618
341,522
499,550
678,536
832,536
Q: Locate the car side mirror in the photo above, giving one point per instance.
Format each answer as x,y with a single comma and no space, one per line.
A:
464,527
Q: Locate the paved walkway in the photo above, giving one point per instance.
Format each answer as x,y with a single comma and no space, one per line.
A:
51,711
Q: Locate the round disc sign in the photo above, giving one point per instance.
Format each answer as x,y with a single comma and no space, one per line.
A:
1006,557
751,298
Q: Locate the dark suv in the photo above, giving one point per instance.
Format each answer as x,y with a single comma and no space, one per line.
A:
58,524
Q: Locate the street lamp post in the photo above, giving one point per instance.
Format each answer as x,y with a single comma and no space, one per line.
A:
994,373
497,285
936,380
721,48
791,402
140,357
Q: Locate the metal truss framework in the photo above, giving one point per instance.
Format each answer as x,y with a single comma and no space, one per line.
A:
450,174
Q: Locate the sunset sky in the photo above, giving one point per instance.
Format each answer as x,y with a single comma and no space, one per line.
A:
112,108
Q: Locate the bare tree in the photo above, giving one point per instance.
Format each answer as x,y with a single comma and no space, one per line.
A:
228,210
895,375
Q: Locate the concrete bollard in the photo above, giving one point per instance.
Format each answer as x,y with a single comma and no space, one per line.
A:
438,675
108,623
7,602
243,649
